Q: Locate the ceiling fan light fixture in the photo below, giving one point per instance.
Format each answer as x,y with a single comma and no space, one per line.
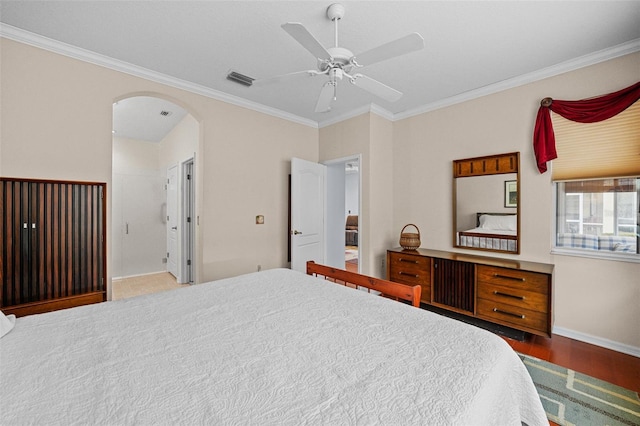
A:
336,74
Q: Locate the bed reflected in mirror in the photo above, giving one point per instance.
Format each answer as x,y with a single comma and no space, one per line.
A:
486,203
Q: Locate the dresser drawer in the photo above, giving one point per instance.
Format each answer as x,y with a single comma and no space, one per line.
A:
517,297
513,278
511,315
411,269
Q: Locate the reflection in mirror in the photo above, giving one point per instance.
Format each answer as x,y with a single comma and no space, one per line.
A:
486,203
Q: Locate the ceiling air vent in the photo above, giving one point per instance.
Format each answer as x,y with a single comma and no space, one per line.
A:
240,78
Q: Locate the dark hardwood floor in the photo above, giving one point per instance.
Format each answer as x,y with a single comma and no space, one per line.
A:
604,364
595,361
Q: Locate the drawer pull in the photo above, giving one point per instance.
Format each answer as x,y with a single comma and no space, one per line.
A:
402,259
508,277
410,275
508,313
499,293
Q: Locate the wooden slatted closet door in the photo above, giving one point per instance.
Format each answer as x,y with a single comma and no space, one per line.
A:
52,245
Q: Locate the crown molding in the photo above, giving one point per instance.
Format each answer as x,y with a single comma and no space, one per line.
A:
561,68
17,34
623,49
373,108
32,39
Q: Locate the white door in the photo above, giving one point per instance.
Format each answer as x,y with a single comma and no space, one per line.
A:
307,233
172,221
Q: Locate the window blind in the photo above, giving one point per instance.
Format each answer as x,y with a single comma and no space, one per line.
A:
610,148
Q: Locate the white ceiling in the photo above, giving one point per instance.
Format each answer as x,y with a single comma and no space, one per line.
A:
471,48
145,118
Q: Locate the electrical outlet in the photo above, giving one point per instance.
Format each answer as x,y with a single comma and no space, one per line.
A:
164,260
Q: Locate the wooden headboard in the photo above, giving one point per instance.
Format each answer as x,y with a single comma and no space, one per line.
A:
351,279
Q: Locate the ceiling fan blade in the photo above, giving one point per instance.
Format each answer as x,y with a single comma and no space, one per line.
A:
401,46
375,87
325,98
293,76
306,39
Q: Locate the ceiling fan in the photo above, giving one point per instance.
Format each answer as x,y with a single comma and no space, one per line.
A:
337,62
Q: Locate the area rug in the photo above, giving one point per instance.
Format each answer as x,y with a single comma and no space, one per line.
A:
571,398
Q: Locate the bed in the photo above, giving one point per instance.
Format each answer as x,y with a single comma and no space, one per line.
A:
272,347
497,231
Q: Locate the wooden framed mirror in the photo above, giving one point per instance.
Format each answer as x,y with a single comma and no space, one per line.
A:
486,203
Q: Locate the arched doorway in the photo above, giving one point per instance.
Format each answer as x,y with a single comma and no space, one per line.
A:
155,146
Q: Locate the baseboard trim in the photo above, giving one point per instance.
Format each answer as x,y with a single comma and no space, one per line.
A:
598,341
138,275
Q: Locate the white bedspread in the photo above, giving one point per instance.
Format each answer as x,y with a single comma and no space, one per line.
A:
275,347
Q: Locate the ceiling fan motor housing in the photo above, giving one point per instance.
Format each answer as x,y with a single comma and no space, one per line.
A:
340,58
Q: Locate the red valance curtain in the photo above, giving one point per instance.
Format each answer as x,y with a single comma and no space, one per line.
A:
584,111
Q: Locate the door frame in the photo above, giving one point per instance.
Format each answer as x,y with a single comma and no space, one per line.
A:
187,195
337,225
177,221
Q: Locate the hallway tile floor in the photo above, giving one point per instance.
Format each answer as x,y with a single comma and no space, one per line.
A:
144,284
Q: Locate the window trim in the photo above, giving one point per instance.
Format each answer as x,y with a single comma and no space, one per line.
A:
596,254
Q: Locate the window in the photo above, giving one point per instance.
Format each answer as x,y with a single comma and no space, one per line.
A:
599,215
597,183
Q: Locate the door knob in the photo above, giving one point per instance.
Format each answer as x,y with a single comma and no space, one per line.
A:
174,227
295,232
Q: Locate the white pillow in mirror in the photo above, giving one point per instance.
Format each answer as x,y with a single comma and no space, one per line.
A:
502,222
6,323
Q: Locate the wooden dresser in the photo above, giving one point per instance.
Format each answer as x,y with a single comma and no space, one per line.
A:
508,292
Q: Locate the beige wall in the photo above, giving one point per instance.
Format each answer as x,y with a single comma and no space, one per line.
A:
372,137
595,300
56,120
181,143
133,155
381,230
347,139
